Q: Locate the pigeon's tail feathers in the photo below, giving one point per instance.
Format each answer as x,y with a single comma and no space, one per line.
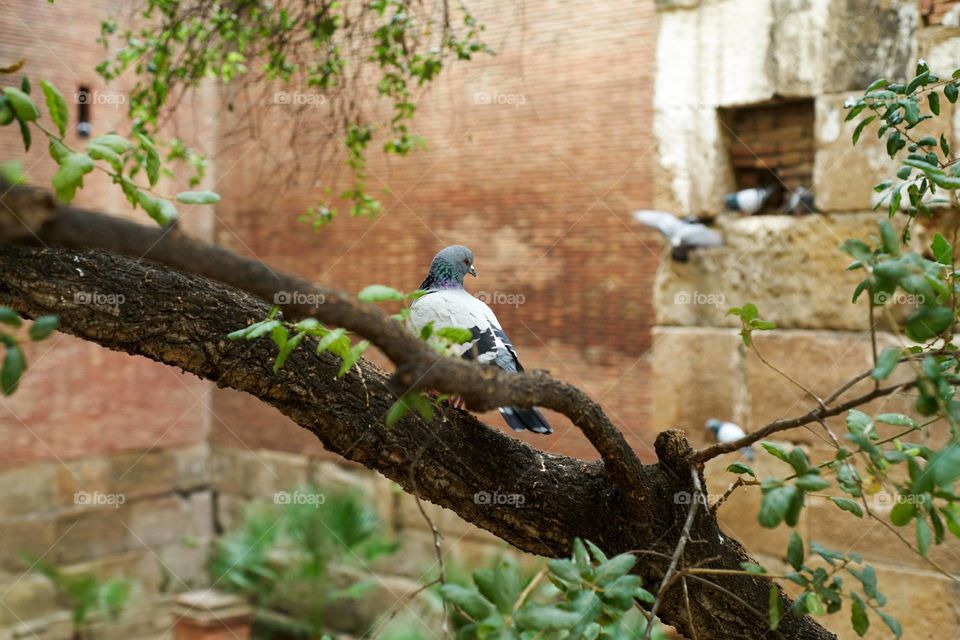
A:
525,419
679,253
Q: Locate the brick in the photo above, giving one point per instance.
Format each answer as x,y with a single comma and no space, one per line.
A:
28,489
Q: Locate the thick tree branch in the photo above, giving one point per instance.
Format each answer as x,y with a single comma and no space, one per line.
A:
181,320
32,216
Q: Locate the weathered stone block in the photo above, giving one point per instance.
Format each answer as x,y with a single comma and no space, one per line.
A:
91,534
34,537
766,260
143,473
90,475
697,374
28,489
25,596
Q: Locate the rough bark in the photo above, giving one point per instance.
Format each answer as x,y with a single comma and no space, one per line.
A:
182,320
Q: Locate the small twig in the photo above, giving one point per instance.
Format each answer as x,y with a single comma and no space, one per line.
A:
686,600
529,588
678,551
789,378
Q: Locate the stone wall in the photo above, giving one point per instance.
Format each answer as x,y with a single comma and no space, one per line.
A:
89,428
714,57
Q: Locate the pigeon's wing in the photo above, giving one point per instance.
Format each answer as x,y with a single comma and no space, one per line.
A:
664,222
457,308
697,235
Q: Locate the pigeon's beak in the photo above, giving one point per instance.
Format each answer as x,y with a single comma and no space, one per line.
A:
472,271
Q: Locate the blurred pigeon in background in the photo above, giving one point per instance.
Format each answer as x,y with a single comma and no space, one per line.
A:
682,235
799,202
447,304
728,432
748,201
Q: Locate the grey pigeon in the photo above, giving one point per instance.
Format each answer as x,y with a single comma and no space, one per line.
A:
799,202
748,201
447,304
683,236
729,432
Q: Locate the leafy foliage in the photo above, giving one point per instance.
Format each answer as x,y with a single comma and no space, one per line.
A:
585,596
14,361
89,597
316,46
280,555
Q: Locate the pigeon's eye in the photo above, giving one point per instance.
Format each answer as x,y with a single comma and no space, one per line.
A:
466,261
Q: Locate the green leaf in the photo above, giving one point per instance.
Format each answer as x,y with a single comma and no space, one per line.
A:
69,177
331,340
933,98
888,620
946,465
198,197
774,505
396,412
812,481
152,159
286,350
100,152
565,570
861,126
776,450
379,293
23,107
924,536
739,467
9,316
887,361
117,144
858,616
890,239
897,420
43,327
254,331
352,357
614,568
546,618
950,91
469,600
928,322
457,335
902,513
944,146
14,364
795,551
56,106
851,506
775,612
942,250
161,210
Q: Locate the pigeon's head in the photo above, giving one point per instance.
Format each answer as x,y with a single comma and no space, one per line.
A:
714,425
452,263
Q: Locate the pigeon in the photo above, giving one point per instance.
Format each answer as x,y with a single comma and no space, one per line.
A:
728,432
799,202
683,235
748,201
447,304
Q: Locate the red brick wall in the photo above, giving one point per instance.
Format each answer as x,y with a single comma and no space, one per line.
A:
77,399
540,190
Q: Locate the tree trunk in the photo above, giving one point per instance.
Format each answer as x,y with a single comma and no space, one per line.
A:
181,320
